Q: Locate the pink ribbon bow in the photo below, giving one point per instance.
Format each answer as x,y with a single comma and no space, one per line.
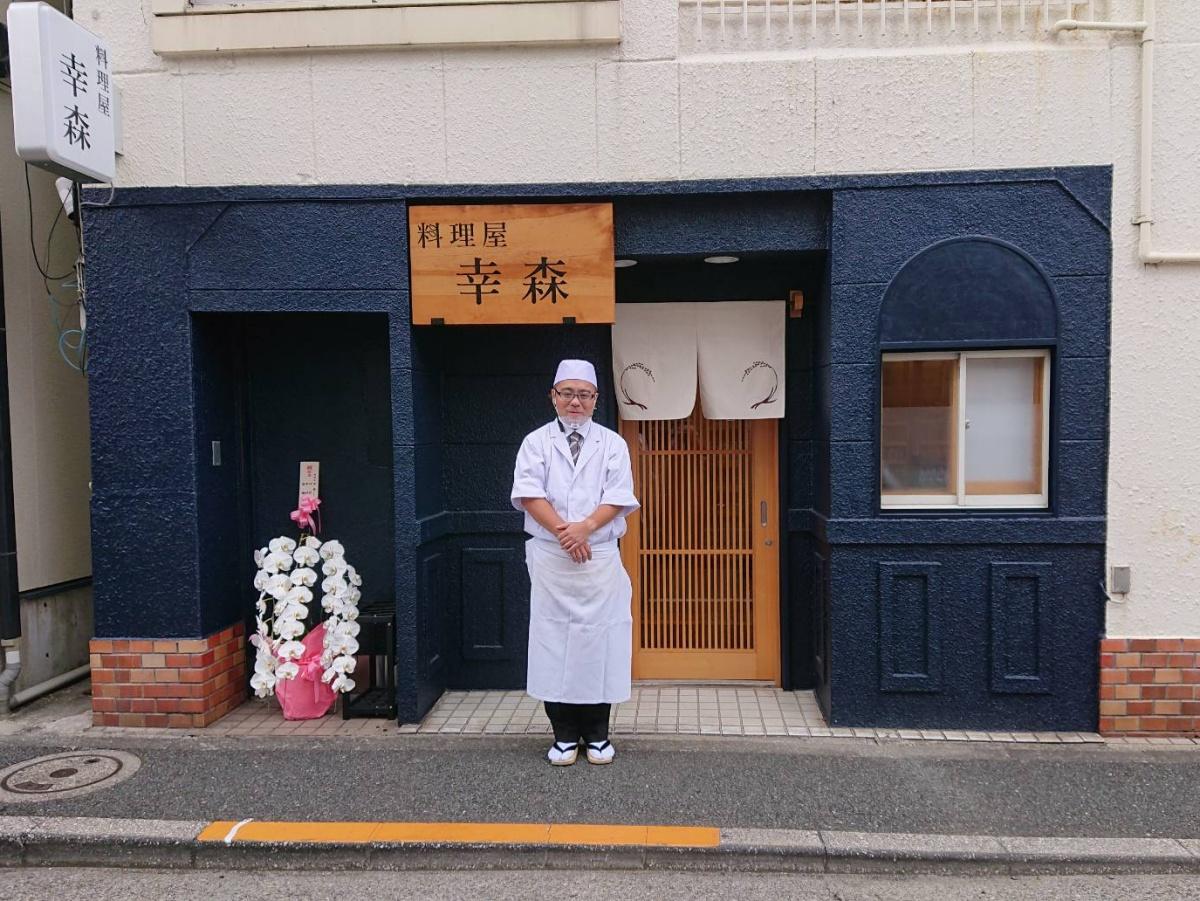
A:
311,670
306,515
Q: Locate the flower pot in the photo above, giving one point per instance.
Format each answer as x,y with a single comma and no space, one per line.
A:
306,697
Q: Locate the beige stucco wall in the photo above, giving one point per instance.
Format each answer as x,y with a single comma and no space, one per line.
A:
1153,477
663,105
48,399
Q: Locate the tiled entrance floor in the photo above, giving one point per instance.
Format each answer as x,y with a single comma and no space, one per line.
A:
653,709
691,710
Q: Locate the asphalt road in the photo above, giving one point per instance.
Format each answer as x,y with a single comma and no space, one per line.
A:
781,783
119,885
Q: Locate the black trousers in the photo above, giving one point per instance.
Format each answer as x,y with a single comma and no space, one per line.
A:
574,721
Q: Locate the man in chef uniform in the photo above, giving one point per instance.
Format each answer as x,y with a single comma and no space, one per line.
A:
575,485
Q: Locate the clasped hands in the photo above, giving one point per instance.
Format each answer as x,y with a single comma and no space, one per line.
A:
573,538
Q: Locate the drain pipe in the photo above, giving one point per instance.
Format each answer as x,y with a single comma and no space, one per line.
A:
10,600
1144,220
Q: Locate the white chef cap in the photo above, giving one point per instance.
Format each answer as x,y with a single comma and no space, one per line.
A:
576,369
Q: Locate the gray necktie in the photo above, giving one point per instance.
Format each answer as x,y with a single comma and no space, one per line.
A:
574,441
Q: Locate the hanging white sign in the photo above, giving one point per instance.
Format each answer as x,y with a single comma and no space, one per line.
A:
64,99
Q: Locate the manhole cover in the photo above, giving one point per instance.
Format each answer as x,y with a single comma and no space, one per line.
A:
59,776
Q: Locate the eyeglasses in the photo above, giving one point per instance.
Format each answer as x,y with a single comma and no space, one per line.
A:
568,395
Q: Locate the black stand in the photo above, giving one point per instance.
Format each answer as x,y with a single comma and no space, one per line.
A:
377,641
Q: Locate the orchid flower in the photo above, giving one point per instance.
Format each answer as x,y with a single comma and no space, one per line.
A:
306,556
343,644
262,684
282,545
343,683
332,549
290,650
289,628
348,628
277,562
334,566
288,670
299,595
296,611
303,576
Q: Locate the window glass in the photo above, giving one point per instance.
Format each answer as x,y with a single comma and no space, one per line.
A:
1003,427
918,427
965,429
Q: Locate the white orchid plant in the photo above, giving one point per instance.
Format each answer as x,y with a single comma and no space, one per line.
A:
287,573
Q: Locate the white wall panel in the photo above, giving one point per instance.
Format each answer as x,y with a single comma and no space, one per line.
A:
250,125
743,118
1040,107
1177,146
521,123
378,117
152,124
650,29
638,121
894,113
125,24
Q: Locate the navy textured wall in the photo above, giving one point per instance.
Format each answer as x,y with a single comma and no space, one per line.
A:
930,625
495,389
154,265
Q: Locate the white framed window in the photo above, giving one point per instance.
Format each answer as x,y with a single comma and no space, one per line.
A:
966,429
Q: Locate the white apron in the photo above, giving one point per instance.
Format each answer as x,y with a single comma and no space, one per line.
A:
580,625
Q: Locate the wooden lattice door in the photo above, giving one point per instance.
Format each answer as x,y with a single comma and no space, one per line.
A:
703,552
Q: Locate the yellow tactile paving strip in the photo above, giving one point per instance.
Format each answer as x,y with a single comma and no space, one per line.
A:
465,833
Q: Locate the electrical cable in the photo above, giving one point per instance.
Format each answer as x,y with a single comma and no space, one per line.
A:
72,342
32,244
112,190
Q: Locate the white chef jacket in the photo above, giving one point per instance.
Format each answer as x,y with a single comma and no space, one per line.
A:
602,475
580,620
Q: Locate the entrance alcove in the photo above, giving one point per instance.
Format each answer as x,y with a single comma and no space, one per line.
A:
272,390
482,388
758,276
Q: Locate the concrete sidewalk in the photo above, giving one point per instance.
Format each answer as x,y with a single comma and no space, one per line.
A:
823,804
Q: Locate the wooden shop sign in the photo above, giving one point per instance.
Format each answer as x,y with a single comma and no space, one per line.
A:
531,263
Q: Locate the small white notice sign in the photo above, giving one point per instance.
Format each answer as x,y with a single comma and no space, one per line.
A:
64,99
310,479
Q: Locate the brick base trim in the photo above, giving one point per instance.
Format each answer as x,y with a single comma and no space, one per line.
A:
180,683
1150,686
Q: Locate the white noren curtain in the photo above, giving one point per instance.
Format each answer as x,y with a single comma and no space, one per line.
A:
654,360
733,350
